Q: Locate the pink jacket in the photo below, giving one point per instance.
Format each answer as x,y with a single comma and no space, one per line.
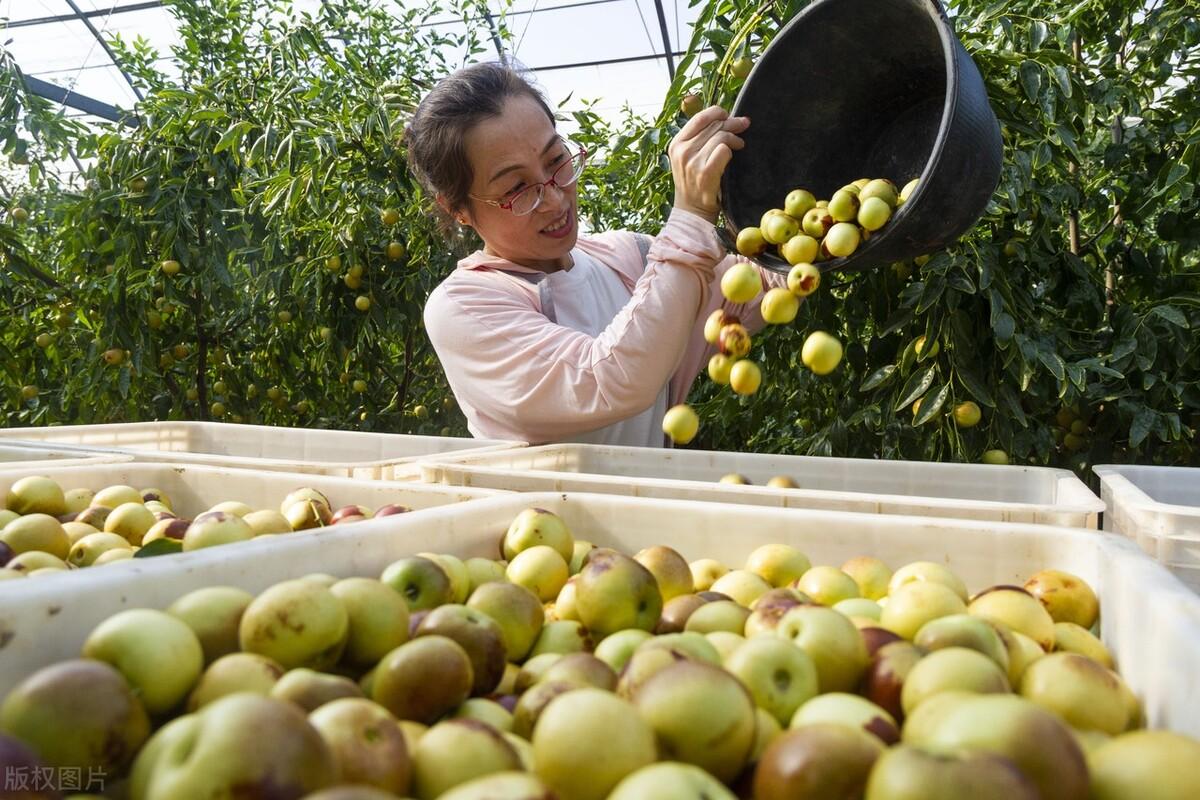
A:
517,375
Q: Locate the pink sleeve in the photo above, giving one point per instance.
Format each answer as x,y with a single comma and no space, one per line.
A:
520,376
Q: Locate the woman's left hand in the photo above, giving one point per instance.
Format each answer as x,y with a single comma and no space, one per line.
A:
699,154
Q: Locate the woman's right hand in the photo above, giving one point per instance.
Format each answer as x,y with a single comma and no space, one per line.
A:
699,154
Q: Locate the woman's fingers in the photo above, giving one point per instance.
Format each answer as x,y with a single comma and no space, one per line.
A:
725,137
737,124
715,166
698,123
726,142
717,130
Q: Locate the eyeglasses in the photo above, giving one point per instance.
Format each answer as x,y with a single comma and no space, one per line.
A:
526,201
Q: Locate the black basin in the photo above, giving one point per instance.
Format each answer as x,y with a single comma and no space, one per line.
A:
867,89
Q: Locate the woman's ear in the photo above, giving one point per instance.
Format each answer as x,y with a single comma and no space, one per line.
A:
461,217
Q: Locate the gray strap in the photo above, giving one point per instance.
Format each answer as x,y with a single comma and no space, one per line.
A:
544,297
547,301
643,245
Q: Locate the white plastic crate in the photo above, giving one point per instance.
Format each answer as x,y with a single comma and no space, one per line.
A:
1159,508
358,454
1149,620
20,457
193,488
964,491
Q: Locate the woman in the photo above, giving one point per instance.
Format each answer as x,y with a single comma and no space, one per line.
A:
547,335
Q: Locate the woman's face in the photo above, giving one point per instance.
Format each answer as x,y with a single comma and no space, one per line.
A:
507,153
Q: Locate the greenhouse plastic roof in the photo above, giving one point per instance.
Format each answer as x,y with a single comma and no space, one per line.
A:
610,51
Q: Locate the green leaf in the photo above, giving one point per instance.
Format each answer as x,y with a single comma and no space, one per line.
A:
1177,173
912,293
1143,423
1100,369
1077,265
1171,314
934,288
221,273
878,378
985,274
962,331
960,282
1026,373
1031,79
160,547
996,304
1067,138
1079,8
1147,350
1009,398
908,357
1063,78
974,386
1053,362
1038,32
1174,427
932,406
1004,327
719,36
1124,348
917,385
897,322
1078,376
232,136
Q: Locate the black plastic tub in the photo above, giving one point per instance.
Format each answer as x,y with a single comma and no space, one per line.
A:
855,89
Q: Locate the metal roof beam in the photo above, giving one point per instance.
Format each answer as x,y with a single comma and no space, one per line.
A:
96,13
100,40
491,23
666,36
601,63
87,105
510,14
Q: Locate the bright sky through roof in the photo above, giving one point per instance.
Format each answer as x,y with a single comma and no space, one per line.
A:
555,37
